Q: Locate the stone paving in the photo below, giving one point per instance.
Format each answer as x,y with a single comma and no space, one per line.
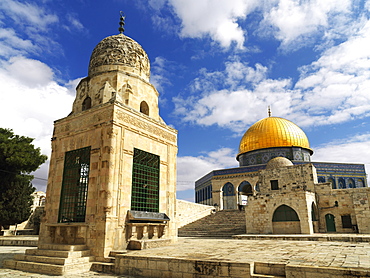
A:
305,253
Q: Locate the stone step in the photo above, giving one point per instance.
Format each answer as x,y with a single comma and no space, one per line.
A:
103,267
34,267
53,260
222,224
113,253
43,268
57,253
266,276
63,247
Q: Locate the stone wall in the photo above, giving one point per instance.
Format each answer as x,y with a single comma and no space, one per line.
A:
187,212
339,202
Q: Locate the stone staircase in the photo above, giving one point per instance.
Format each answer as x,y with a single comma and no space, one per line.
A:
222,224
53,259
109,264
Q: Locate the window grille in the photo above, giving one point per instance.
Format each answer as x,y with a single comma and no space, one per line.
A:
74,186
145,182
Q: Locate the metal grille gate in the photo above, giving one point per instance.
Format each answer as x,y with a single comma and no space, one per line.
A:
74,187
145,182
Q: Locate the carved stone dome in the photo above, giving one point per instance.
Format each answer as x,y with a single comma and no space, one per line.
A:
278,162
119,52
272,132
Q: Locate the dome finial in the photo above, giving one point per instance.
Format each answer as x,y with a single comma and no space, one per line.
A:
121,22
269,111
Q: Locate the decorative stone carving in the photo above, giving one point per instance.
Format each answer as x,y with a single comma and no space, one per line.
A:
145,126
120,50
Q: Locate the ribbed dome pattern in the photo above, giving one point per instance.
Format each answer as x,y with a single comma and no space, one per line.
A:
273,132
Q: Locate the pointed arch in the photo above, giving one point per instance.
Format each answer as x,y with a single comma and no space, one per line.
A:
245,188
351,183
228,196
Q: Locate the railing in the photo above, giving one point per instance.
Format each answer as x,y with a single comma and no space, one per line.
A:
142,231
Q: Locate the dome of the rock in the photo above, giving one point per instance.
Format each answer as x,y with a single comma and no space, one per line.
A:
273,132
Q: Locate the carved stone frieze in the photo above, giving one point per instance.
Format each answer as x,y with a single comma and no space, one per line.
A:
145,126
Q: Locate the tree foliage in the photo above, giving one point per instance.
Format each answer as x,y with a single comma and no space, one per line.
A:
18,158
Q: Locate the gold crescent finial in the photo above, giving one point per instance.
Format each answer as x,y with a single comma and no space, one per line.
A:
269,111
121,22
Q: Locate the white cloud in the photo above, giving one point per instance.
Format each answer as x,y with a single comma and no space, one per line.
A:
219,21
29,72
351,150
34,17
33,101
333,89
244,100
190,168
294,23
11,44
296,20
159,73
74,22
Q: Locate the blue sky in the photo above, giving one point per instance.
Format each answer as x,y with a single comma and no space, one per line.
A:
217,65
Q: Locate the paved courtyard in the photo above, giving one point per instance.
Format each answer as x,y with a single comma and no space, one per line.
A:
305,253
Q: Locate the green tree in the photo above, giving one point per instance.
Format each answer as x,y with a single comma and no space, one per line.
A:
18,158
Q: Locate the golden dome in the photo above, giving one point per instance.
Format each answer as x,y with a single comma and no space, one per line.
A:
273,132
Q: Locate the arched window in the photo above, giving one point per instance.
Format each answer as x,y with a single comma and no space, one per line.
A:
341,183
285,213
361,183
86,104
332,181
245,188
144,108
351,183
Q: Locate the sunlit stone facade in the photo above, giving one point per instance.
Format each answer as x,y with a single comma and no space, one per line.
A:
115,116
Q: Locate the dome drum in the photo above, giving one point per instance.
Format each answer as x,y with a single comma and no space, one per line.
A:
263,156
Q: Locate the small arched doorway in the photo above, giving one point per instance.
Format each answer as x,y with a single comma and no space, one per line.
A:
330,223
228,196
285,220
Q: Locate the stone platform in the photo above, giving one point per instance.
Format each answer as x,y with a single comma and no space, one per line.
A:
291,256
30,241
